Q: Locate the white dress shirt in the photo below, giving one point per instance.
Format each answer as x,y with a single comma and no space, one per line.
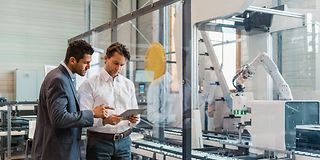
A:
118,93
164,106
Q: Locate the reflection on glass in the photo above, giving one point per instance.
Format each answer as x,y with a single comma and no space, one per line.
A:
163,105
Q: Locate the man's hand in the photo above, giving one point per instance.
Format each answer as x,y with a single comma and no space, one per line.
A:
133,118
100,111
112,119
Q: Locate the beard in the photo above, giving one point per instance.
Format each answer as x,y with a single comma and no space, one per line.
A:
81,72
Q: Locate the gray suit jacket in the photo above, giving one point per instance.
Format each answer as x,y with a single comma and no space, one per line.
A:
59,120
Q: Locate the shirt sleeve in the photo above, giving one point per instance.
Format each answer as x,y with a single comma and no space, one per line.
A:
153,103
86,99
134,104
85,96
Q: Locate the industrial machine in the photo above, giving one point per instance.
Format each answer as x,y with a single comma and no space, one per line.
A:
273,123
270,123
14,126
308,138
247,71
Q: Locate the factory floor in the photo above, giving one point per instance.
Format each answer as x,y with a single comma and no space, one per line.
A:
15,156
18,157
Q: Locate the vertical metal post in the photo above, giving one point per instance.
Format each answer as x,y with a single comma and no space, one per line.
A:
279,54
87,16
114,15
269,80
279,61
206,115
162,41
3,153
9,109
314,45
279,2
186,75
161,26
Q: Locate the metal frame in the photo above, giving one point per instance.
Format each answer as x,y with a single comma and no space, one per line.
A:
186,57
212,26
142,11
275,12
186,75
216,65
87,15
114,16
9,105
279,60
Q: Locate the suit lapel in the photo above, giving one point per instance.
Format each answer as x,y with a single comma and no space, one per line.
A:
75,95
64,70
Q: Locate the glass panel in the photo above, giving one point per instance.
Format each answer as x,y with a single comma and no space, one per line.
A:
260,115
244,68
153,70
299,113
299,48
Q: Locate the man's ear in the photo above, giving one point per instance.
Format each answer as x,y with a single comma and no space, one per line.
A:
105,59
72,60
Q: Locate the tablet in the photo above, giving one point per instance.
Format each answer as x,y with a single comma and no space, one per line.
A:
126,114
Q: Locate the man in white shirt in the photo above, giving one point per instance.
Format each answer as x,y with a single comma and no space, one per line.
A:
164,105
109,138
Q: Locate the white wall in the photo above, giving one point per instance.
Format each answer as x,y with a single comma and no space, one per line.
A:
35,32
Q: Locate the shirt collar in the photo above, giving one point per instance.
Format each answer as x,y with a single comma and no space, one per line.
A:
72,75
107,77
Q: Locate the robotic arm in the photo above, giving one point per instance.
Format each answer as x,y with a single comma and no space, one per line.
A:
248,70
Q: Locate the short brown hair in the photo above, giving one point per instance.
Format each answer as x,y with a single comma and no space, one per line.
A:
118,47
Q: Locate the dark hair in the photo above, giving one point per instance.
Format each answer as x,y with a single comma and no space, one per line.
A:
118,47
78,49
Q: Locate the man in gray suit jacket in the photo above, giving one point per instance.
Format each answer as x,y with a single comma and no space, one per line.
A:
59,119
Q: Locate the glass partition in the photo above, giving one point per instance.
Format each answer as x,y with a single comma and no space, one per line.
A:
153,70
299,49
258,63
246,75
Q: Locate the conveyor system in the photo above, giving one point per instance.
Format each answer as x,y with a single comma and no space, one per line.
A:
216,144
308,138
158,150
210,138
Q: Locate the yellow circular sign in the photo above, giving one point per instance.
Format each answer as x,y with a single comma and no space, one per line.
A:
155,60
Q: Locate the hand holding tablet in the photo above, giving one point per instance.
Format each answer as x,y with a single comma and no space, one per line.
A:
126,114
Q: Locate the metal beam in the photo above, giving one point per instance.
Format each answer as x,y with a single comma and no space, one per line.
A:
186,75
275,12
114,15
216,65
217,27
87,15
142,11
